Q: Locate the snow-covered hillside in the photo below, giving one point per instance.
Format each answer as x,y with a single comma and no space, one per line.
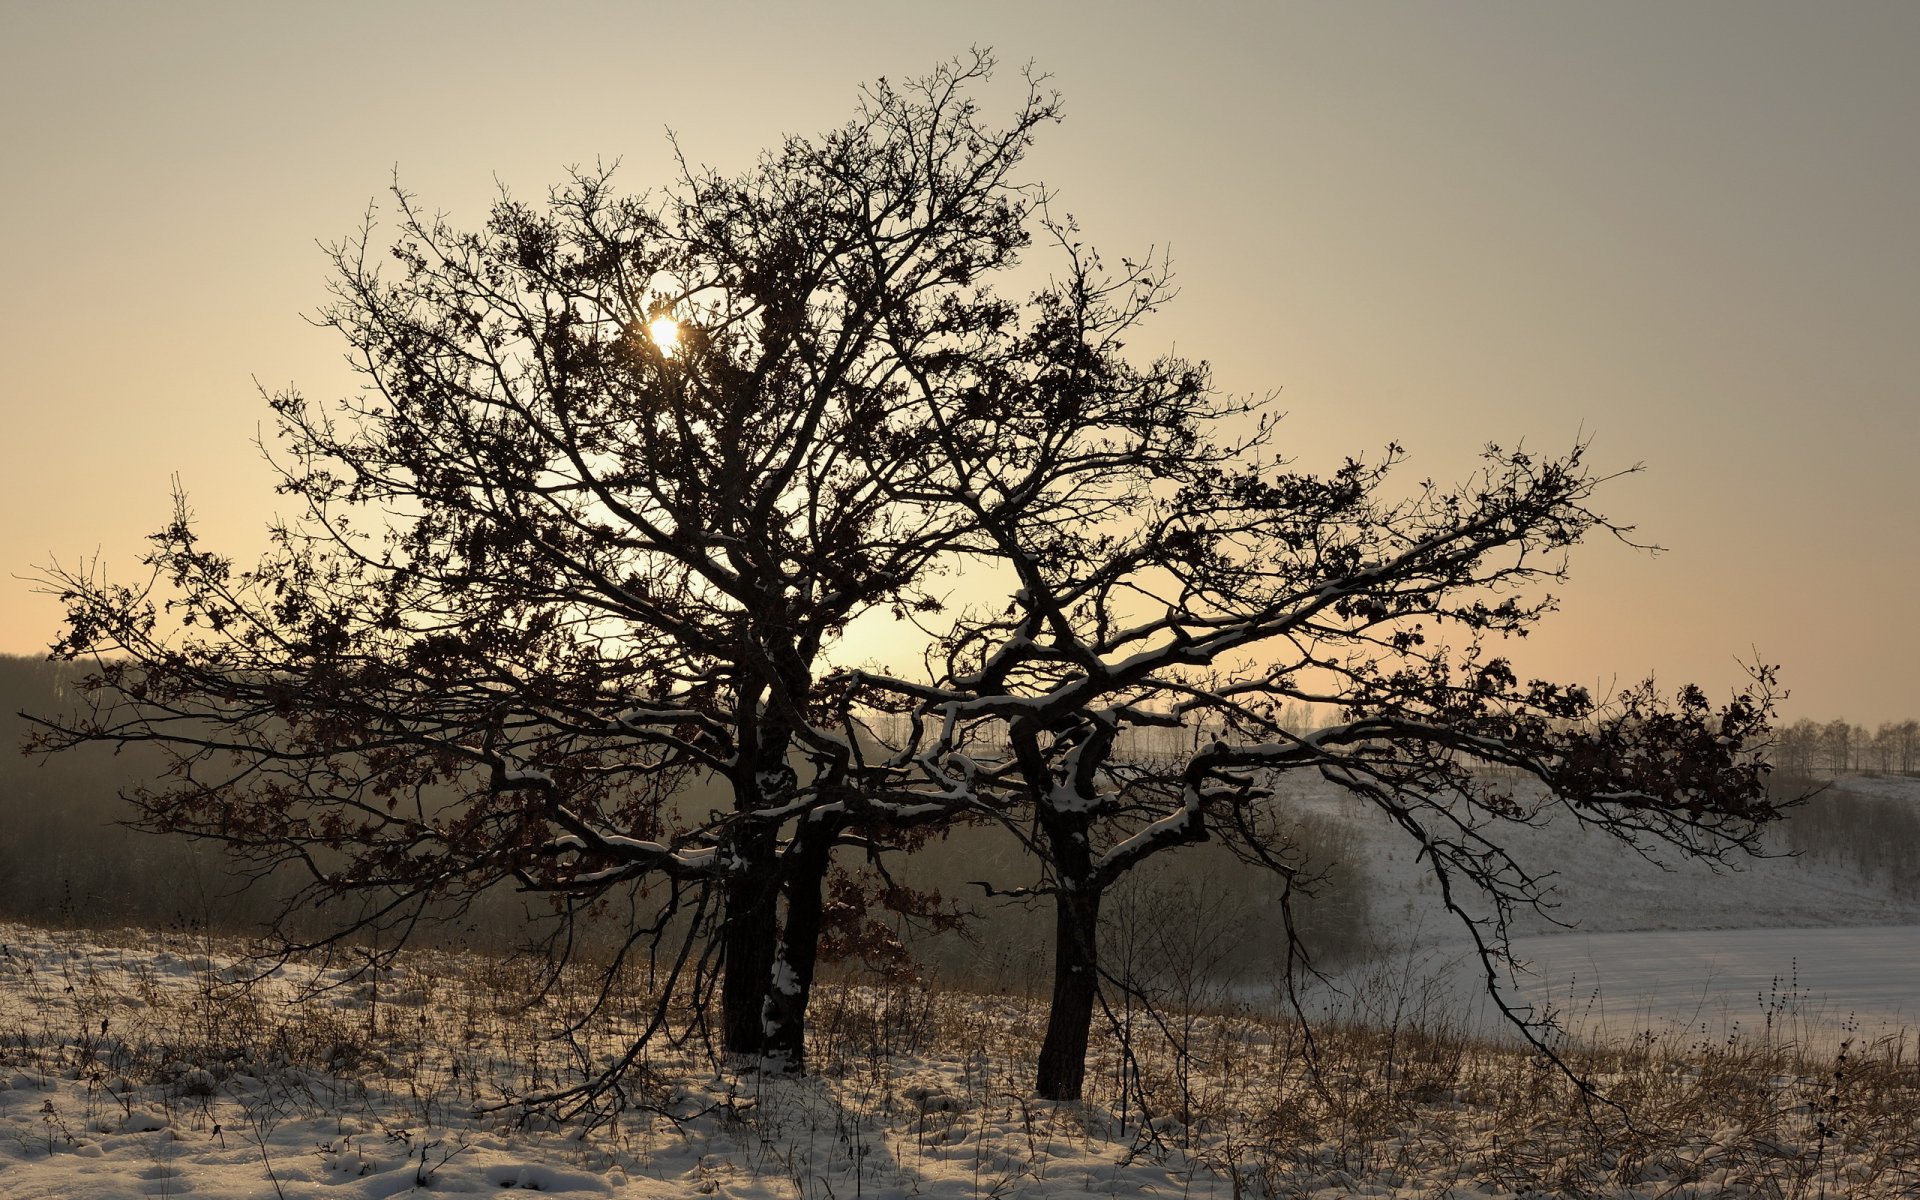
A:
1600,886
1815,945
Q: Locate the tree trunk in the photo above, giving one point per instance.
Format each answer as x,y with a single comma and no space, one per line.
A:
1076,965
785,1019
750,928
748,933
1076,959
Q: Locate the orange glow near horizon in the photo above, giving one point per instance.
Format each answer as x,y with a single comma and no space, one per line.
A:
1426,228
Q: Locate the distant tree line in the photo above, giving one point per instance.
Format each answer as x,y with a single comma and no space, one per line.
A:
1808,748
69,860
1878,837
65,858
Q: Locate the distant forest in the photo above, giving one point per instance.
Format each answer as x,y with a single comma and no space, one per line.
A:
65,860
1808,748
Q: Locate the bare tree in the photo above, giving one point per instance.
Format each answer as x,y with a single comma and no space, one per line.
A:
1906,741
621,471
1797,749
1838,741
1221,603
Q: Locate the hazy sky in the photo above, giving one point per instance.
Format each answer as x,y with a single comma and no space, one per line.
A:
1686,231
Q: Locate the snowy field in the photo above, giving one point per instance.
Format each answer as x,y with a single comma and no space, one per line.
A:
1817,985
1764,1061
1634,944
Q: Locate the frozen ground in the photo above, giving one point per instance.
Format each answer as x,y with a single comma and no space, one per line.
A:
1815,984
1632,944
1814,987
134,1069
1895,787
130,1067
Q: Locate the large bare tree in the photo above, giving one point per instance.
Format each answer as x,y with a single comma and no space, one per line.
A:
621,472
1220,603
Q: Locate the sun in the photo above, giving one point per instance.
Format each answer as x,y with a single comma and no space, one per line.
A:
665,332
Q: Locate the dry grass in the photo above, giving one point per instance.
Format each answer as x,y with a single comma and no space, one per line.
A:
1411,1102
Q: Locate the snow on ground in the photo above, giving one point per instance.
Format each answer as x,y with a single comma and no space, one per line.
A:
1668,944
1815,985
1889,787
131,1067
131,1070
